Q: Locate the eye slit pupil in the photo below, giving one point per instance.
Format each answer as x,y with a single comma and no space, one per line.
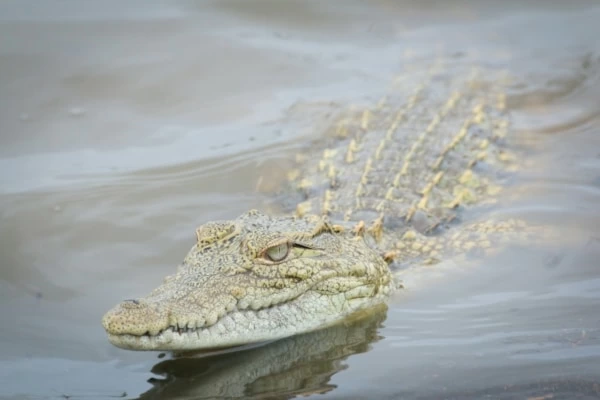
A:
278,252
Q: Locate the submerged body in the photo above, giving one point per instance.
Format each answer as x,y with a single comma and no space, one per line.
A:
385,188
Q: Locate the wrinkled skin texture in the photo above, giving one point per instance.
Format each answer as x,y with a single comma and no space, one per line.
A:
228,291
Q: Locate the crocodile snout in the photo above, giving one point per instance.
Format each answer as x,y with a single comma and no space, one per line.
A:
136,317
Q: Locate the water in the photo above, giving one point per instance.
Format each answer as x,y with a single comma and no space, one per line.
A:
125,126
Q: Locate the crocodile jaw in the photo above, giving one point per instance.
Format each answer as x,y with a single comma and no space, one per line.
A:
311,311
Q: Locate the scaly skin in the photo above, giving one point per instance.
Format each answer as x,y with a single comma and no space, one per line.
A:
384,189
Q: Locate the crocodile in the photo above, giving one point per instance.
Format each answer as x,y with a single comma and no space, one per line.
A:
385,189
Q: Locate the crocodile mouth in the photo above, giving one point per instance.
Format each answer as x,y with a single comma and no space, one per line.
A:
309,312
234,329
171,338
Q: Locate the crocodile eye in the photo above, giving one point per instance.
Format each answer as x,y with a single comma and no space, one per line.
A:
278,252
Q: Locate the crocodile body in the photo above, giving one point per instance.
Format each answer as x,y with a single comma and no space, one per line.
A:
388,186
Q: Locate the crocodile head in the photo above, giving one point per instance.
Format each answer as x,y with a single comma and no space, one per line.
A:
253,279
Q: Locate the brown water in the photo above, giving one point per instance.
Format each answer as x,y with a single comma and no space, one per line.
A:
125,125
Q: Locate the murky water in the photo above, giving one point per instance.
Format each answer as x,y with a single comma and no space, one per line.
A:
124,126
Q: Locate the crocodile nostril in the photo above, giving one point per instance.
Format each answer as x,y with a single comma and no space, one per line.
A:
134,301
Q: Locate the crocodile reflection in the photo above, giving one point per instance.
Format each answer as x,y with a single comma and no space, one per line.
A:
298,365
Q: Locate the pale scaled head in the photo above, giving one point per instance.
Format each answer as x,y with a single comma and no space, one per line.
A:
253,279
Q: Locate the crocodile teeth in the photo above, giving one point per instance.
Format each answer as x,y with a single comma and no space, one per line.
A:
180,329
